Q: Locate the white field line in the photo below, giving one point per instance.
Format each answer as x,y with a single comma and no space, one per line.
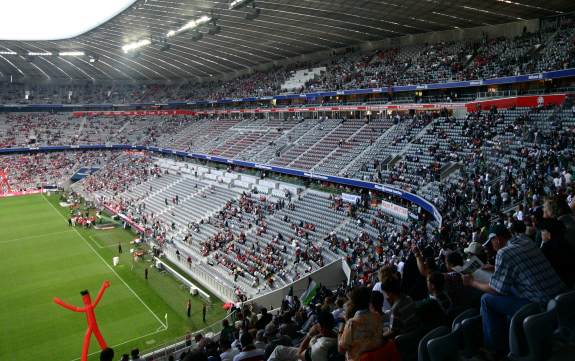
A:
32,237
125,342
99,245
108,265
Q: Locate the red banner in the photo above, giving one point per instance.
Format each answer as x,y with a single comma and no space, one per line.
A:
375,108
502,103
21,193
530,101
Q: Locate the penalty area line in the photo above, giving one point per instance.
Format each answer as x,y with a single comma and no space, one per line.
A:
110,267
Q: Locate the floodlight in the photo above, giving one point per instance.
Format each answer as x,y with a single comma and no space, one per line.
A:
135,45
35,53
8,53
71,53
190,25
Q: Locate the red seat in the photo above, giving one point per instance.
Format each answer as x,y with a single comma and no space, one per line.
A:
387,352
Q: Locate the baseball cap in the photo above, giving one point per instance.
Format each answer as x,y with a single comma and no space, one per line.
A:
473,248
497,230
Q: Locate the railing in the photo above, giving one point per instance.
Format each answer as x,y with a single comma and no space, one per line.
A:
207,279
184,280
497,94
173,347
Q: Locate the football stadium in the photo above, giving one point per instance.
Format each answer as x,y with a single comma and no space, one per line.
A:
297,180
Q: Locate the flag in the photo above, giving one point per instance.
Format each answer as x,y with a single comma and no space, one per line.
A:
289,296
309,293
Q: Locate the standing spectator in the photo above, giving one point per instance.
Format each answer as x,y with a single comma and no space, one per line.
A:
227,331
189,308
264,319
204,310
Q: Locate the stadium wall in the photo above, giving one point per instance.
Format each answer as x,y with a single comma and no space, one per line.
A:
331,276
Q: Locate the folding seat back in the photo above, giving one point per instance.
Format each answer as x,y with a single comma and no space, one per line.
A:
422,352
517,341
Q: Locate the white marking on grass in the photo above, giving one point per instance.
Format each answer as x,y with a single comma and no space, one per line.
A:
32,237
99,245
110,267
125,342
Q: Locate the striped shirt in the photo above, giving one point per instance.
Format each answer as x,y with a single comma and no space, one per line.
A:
521,270
403,315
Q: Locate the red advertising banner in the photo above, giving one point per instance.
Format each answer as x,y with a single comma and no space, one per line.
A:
529,101
21,193
373,108
501,103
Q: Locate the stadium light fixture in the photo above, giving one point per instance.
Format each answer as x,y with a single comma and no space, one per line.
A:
135,45
71,53
236,4
35,53
8,53
193,24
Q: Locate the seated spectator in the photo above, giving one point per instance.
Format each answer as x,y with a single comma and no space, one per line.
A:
317,345
557,250
522,275
433,310
249,351
195,355
227,352
260,342
339,312
276,339
376,305
385,272
363,329
436,288
557,207
404,317
453,283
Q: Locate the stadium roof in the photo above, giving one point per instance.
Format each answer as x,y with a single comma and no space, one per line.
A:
283,29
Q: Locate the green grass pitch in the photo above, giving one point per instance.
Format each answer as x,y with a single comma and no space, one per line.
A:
42,257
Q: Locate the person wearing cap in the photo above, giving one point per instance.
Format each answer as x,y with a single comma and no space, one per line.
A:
249,351
473,249
521,275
